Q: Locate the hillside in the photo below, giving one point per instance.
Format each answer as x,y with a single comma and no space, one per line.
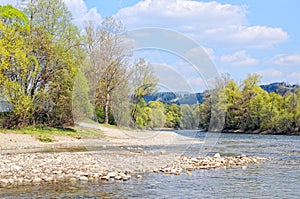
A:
192,98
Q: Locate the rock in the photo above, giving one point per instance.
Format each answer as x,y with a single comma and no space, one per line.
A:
16,167
111,174
217,155
105,178
118,178
189,174
138,176
72,180
37,180
83,178
128,177
3,182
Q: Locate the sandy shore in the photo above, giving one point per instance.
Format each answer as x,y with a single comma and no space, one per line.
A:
12,143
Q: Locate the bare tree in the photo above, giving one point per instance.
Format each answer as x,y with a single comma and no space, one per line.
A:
108,56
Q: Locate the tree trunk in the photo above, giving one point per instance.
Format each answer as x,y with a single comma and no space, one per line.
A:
107,106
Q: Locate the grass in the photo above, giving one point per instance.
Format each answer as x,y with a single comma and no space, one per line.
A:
44,133
45,139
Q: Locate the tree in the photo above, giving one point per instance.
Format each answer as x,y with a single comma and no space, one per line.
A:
143,82
108,57
233,106
43,55
173,114
190,117
157,114
14,63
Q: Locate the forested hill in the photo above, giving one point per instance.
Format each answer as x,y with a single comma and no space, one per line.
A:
190,98
279,87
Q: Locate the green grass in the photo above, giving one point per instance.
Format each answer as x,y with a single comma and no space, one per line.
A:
45,139
44,133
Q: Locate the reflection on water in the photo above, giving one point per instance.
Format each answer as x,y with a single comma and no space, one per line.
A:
278,178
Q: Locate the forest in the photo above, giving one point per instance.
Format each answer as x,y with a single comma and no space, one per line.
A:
54,74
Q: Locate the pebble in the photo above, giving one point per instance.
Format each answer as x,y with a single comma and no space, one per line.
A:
191,163
36,168
139,176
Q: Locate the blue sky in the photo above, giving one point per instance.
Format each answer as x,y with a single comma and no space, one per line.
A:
240,36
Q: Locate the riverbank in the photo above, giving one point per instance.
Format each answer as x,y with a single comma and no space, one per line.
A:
36,168
119,155
260,132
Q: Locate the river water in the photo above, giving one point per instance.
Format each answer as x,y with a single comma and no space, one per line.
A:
277,178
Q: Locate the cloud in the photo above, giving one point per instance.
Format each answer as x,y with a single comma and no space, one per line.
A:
239,58
286,60
270,75
78,9
293,77
81,13
210,23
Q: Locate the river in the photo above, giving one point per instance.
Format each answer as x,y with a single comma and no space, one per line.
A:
277,178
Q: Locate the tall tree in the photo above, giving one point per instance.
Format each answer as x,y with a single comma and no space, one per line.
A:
108,55
55,43
14,62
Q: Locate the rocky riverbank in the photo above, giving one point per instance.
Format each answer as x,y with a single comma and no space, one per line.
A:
186,164
36,168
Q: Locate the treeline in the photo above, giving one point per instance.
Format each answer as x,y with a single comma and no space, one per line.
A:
52,73
249,108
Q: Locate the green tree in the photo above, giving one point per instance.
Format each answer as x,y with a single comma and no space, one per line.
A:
143,82
190,117
157,114
173,114
14,62
55,44
233,102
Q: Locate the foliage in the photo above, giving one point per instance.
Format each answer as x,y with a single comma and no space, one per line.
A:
249,108
40,56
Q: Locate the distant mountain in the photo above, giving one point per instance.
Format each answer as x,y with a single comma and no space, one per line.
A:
176,98
193,98
280,87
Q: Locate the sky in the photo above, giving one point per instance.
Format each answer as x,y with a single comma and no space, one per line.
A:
239,36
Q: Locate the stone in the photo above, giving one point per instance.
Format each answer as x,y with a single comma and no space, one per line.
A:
138,176
83,178
16,167
72,179
3,182
118,178
37,180
105,178
111,174
217,155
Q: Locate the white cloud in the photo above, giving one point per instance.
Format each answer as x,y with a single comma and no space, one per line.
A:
286,60
81,13
78,9
293,77
270,75
210,23
239,58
